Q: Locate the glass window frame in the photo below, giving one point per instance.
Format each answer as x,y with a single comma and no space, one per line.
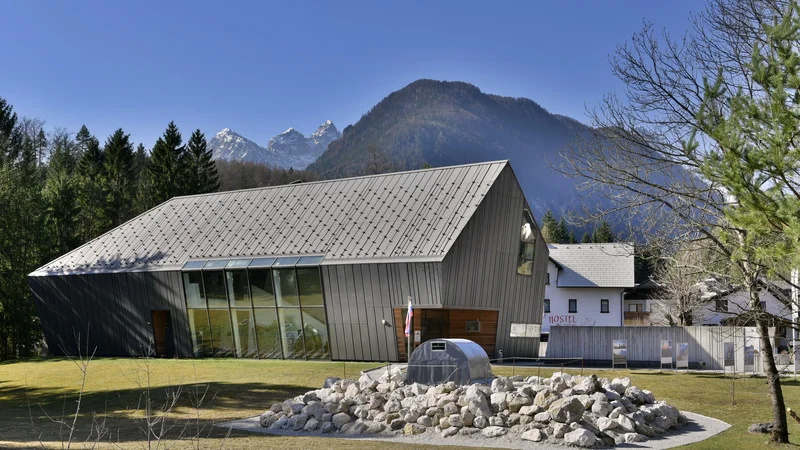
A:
547,306
256,264
570,303
604,306
522,259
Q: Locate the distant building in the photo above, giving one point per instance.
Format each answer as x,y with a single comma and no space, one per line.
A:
320,270
585,285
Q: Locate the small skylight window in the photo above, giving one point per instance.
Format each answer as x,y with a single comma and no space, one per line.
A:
309,260
234,263
194,265
218,264
288,261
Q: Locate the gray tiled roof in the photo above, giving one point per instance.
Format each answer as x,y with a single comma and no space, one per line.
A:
404,216
594,265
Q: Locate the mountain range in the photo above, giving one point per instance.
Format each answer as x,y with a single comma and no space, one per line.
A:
290,149
439,123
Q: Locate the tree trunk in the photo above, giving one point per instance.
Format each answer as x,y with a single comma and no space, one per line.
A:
780,432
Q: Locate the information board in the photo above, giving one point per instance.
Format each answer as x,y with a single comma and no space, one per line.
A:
729,354
749,358
620,352
682,359
666,352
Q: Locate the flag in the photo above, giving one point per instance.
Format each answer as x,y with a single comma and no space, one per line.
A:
409,315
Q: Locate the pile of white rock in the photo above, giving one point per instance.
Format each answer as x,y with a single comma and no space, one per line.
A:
563,409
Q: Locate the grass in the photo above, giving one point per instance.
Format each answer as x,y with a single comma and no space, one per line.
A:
30,391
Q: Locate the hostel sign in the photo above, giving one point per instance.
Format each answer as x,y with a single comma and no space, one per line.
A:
568,320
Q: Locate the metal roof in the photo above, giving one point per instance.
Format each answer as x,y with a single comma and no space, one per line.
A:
397,217
594,265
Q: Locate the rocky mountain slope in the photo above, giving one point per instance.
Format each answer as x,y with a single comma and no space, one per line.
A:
289,149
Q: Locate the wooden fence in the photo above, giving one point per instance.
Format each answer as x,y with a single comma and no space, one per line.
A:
706,344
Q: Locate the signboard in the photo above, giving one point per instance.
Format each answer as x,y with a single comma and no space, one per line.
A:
682,359
526,330
749,358
417,336
575,320
620,352
729,354
666,352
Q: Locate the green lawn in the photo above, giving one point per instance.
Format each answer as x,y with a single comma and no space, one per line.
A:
31,391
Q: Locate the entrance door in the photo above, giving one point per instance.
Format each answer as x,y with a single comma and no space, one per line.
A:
434,324
161,333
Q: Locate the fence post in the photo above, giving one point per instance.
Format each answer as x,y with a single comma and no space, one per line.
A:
344,370
581,366
513,366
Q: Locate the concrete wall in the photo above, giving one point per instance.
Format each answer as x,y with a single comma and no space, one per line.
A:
111,311
480,270
706,344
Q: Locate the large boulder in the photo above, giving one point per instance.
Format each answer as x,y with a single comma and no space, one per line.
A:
477,403
580,438
517,401
534,434
502,384
545,398
566,410
340,419
626,423
605,424
413,428
494,431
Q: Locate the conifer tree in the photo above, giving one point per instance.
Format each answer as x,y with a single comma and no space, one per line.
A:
167,165
562,234
82,140
60,196
549,226
91,196
603,233
141,163
587,238
201,170
119,178
571,238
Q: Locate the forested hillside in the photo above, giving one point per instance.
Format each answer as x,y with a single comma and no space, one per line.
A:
445,123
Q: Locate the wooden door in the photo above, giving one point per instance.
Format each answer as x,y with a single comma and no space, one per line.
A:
160,331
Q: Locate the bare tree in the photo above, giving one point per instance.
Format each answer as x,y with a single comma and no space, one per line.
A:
679,300
651,150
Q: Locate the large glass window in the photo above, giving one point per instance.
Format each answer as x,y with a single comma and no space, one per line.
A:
286,287
238,289
291,332
244,333
269,333
193,286
221,333
261,286
201,334
214,283
315,333
527,245
309,286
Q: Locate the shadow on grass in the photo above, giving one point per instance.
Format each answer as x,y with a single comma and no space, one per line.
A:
28,414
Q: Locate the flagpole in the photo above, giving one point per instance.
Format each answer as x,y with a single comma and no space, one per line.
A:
410,325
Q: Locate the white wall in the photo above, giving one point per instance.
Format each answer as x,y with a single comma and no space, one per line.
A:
588,305
739,301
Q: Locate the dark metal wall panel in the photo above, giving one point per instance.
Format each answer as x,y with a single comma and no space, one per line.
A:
114,309
480,270
366,294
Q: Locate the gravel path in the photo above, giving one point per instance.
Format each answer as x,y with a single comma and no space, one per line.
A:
697,429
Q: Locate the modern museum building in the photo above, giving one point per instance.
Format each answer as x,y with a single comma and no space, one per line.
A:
317,270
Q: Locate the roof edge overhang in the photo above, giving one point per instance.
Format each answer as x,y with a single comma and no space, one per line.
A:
594,286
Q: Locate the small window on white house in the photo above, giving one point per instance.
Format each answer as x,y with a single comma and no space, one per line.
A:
548,278
604,305
573,305
547,305
473,326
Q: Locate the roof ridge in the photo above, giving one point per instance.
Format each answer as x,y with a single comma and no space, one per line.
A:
306,183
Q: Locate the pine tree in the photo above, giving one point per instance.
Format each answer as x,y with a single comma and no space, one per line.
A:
549,226
586,239
562,234
167,166
60,196
119,178
603,233
571,239
83,140
141,164
201,170
90,174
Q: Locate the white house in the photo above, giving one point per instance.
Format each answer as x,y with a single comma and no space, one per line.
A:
585,284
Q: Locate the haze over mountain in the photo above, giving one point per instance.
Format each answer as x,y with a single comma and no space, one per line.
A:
289,149
445,123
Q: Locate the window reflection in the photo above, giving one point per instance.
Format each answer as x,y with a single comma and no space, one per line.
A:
527,245
268,332
200,333
261,286
244,333
309,286
286,287
291,332
193,286
315,333
214,283
238,289
221,335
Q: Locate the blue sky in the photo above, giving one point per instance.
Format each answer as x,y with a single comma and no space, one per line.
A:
261,67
